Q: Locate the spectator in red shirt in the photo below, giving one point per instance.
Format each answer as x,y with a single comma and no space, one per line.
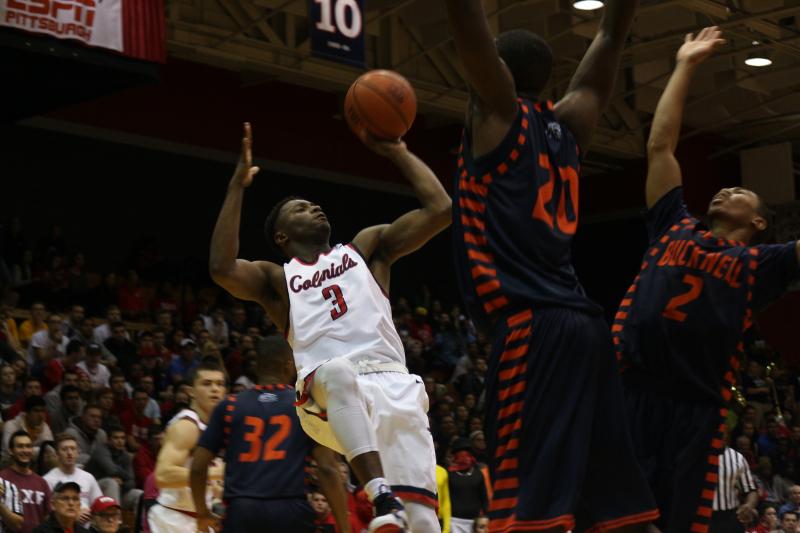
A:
34,490
324,517
130,298
122,400
144,462
54,371
135,422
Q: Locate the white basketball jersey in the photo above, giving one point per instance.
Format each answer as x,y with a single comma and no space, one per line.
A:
181,499
337,309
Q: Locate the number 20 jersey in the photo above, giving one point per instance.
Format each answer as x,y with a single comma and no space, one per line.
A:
515,214
680,325
337,309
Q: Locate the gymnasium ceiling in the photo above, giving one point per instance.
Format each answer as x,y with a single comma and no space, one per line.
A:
743,106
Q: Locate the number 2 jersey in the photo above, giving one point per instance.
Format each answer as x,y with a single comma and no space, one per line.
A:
679,328
338,309
515,213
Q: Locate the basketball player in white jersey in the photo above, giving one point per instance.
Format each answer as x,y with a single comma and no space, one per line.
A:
175,512
355,394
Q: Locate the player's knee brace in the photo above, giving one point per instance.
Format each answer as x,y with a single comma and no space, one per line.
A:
337,376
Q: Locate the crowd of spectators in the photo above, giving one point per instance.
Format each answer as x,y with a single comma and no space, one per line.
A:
94,366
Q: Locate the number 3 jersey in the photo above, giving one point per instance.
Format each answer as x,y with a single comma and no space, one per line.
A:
680,325
515,213
337,309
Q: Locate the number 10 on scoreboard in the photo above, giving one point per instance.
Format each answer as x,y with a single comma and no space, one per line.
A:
337,30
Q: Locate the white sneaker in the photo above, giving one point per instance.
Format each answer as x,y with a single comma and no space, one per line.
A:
394,522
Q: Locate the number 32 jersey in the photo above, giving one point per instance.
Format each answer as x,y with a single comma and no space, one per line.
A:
680,325
337,309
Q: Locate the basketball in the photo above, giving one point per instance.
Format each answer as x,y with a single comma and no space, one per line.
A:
381,102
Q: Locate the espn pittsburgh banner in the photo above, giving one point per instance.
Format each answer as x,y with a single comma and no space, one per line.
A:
131,27
94,22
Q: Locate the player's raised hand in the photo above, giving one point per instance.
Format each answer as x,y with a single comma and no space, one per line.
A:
381,147
245,170
696,48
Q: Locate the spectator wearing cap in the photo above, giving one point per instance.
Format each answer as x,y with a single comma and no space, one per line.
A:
70,406
94,368
35,492
111,465
33,421
106,516
467,488
181,366
66,505
53,373
67,471
88,432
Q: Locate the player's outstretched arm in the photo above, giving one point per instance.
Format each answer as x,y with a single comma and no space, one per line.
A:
179,441
484,69
243,279
332,486
589,92
198,480
408,233
663,170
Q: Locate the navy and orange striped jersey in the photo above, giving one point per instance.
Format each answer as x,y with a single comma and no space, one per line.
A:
680,325
266,450
515,214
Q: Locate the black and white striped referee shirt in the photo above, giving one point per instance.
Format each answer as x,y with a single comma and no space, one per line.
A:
735,480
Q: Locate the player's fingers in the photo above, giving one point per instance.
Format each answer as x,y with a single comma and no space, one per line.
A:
688,38
254,171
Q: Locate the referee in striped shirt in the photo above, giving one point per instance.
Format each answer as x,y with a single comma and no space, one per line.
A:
10,507
735,481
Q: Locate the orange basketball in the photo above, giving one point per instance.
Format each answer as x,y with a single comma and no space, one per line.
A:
381,102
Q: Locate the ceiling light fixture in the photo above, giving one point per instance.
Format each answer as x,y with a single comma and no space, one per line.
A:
758,59
587,5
